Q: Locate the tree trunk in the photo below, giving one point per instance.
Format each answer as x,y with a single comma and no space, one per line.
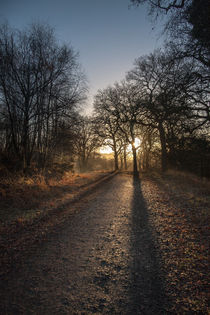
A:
125,157
135,169
121,162
163,148
116,165
147,160
25,142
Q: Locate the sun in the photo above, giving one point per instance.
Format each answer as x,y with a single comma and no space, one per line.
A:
106,150
137,143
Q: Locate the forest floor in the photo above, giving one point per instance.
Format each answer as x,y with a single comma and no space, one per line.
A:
179,204
163,217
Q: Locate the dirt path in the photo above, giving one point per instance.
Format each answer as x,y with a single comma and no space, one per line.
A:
103,260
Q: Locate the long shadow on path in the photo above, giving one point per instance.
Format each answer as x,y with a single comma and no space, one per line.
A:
147,290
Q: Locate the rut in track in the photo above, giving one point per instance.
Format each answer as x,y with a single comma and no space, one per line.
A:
102,260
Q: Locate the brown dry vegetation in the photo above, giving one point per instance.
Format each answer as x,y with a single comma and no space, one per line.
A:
22,198
178,205
31,207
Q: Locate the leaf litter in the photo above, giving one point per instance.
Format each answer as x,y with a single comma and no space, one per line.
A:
182,234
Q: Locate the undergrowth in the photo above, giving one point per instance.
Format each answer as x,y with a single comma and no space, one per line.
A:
23,198
191,192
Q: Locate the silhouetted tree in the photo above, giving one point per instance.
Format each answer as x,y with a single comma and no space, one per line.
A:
149,140
40,85
107,121
127,111
162,83
187,24
86,141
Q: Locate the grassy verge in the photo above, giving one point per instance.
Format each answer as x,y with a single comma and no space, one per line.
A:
31,208
178,206
189,191
23,199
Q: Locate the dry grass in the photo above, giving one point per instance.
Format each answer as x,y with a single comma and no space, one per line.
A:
24,198
178,204
189,191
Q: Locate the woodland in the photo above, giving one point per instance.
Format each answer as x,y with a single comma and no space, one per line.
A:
163,101
76,227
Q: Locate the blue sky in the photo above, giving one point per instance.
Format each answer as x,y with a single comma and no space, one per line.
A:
107,33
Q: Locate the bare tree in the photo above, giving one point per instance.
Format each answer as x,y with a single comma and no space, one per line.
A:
116,109
162,83
107,121
163,5
86,141
187,24
40,85
127,110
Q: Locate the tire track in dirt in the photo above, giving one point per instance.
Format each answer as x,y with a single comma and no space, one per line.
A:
101,260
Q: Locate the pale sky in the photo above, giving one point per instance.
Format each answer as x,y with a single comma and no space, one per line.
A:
107,33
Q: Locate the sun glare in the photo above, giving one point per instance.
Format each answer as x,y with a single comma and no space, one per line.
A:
106,150
136,144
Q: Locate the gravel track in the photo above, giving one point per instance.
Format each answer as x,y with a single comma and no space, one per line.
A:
102,260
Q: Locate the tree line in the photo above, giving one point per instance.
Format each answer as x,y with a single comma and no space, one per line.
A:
163,101
41,91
